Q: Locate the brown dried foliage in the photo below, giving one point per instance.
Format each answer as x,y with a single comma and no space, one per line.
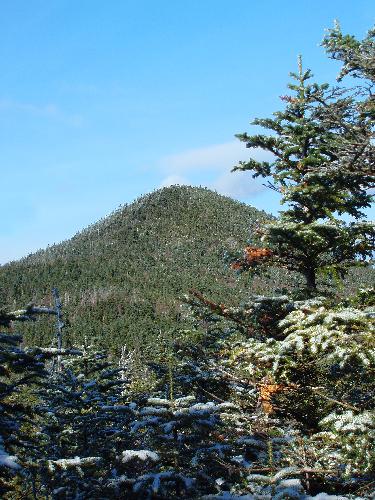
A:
252,255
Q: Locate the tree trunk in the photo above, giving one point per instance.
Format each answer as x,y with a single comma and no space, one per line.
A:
310,276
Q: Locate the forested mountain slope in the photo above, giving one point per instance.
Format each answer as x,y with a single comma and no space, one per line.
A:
120,279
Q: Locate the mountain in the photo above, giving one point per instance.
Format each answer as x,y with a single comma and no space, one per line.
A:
122,278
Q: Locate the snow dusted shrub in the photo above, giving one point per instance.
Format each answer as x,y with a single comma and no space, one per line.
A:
349,441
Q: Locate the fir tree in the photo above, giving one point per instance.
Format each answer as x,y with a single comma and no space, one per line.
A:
311,361
323,157
21,371
84,426
358,58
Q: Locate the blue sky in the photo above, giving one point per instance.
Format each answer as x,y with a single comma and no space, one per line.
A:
101,102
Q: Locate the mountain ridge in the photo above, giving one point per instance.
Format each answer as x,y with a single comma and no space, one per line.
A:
139,203
125,272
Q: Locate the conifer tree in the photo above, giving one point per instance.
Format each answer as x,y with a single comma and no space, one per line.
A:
323,167
311,361
21,371
84,426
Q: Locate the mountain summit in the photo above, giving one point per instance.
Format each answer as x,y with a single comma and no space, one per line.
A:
120,279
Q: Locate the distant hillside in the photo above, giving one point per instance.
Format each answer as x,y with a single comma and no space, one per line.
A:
120,279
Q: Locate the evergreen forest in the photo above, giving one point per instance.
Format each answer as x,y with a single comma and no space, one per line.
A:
190,346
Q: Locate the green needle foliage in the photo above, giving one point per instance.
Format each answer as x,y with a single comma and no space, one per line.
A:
356,55
323,158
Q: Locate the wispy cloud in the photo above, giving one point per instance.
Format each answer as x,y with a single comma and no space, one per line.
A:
237,185
215,157
211,166
45,110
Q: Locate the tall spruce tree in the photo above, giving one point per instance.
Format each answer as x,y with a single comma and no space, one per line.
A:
310,361
323,168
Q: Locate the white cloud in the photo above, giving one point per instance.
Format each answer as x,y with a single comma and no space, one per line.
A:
211,166
215,157
237,185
